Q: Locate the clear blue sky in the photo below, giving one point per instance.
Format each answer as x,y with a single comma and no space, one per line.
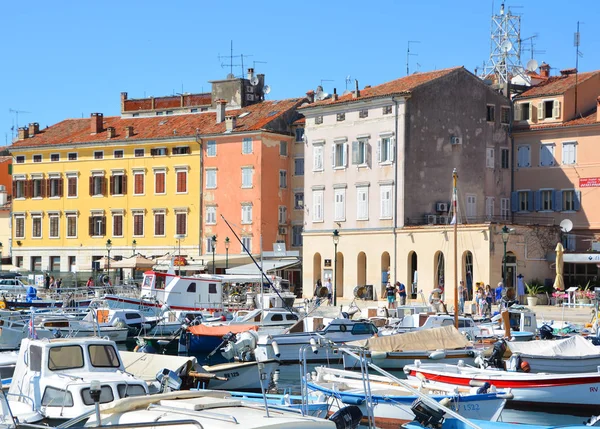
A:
64,59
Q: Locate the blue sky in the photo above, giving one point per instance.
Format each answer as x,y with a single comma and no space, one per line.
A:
64,59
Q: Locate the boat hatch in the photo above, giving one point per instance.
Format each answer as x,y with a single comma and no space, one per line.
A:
65,357
55,324
197,404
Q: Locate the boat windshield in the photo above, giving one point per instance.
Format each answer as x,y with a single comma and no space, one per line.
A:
65,357
103,356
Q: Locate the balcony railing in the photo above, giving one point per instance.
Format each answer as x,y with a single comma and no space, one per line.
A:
438,220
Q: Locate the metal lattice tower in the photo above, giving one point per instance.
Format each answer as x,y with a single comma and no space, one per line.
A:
505,48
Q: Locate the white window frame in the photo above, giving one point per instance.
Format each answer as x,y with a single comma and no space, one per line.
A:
550,147
163,213
490,157
72,215
339,204
211,148
246,213
471,206
211,171
317,206
282,215
247,177
385,204
386,148
22,218
66,190
211,215
283,148
143,174
247,145
98,152
115,154
489,207
35,217
116,174
52,216
115,214
318,164
504,208
177,212
566,192
362,205
182,170
339,152
283,182
160,171
567,144
525,199
135,213
247,242
549,191
208,244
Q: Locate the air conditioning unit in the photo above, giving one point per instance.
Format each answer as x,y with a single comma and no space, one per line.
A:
441,207
249,97
443,220
431,219
282,230
455,140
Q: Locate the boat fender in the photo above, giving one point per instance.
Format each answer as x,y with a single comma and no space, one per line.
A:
438,354
352,400
146,326
378,355
483,389
476,383
136,348
445,402
276,351
507,395
347,417
418,363
525,366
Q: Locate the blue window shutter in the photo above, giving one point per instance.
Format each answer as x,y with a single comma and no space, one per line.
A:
514,201
530,201
557,201
537,200
577,200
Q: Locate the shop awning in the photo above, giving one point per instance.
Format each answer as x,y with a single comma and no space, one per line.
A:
268,266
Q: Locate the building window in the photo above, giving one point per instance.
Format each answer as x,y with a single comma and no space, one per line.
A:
246,214
97,185
36,263
545,200
489,207
181,181
159,182
19,261
340,117
299,200
36,230
362,203
490,115
71,226
387,110
385,149
159,151
296,235
138,153
97,225
118,153
505,115
247,145
363,114
118,184
159,224
138,224
247,244
72,263
20,159
339,155
504,208
505,158
282,179
19,226
569,242
317,212
523,157
547,154
360,152
318,120
181,223
386,202
55,263
211,215
490,157
317,158
569,153
247,173
72,156
299,167
523,201
523,111
339,210
571,200
283,148
181,150
54,219
117,219
55,157
211,179
37,158
138,183
99,154
211,148
282,215
38,188
19,187
299,134
549,109
72,186
208,242
471,206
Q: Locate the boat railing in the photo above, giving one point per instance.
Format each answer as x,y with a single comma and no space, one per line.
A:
217,416
22,396
153,424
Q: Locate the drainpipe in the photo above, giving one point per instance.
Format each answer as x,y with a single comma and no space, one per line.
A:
396,159
512,152
200,202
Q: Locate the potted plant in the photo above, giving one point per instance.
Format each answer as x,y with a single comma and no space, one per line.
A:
532,292
583,295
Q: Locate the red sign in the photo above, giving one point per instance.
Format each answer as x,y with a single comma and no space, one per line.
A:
589,182
180,261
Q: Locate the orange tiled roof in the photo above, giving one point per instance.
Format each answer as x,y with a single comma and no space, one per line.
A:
555,85
404,85
589,118
76,131
300,121
5,158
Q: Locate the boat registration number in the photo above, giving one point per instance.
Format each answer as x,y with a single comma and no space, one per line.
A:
470,407
231,374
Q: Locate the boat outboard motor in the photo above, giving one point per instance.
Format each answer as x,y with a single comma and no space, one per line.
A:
426,415
495,359
347,418
546,332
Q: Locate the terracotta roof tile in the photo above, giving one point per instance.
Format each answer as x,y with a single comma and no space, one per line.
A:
5,158
300,121
589,118
259,116
556,85
404,85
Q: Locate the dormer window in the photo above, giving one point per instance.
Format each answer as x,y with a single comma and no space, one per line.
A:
549,109
523,111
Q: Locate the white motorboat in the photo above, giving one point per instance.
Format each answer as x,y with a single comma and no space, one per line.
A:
423,321
521,320
8,360
392,352
52,378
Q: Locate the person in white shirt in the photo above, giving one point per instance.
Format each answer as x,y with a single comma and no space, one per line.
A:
329,290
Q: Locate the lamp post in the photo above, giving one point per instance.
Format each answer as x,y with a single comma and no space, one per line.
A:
178,237
336,240
505,234
213,242
108,247
134,246
226,252
0,256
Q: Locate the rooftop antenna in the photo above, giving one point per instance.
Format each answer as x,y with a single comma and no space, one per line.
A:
16,112
348,81
326,80
408,54
254,63
578,53
532,46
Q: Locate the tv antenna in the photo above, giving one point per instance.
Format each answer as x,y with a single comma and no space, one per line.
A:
326,80
348,81
254,63
578,54
531,47
231,64
16,112
408,54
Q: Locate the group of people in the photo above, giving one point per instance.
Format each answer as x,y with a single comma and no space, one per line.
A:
51,283
391,290
329,287
484,298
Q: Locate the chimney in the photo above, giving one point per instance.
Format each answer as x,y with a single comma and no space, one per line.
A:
34,128
567,72
152,103
356,90
181,100
250,73
23,133
128,131
230,123
310,95
221,110
96,123
598,109
334,96
110,133
367,86
123,98
545,70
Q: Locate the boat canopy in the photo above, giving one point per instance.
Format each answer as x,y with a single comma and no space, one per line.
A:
575,347
444,338
220,330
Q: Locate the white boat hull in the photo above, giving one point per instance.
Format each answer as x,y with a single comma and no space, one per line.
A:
240,375
562,366
395,361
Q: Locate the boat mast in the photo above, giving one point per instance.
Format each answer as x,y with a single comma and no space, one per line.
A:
454,206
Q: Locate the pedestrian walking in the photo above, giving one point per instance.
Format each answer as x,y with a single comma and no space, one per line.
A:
47,281
401,292
318,287
461,297
329,291
390,291
90,283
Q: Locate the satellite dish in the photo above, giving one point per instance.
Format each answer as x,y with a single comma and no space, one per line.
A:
321,96
566,225
506,46
531,65
346,92
267,89
254,81
230,76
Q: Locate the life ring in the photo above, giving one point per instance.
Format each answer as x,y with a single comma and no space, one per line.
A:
2,305
136,348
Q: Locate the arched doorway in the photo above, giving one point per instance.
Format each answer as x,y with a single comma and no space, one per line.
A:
439,271
467,273
413,276
361,269
316,273
339,279
385,272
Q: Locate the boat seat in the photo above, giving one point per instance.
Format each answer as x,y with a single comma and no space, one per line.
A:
198,404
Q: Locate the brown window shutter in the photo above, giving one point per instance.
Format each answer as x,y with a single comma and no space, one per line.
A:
28,188
103,225
91,185
60,187
124,191
14,189
46,186
103,187
91,225
112,185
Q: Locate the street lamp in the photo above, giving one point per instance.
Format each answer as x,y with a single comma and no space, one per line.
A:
178,237
505,234
133,246
226,252
213,242
108,247
336,240
0,256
